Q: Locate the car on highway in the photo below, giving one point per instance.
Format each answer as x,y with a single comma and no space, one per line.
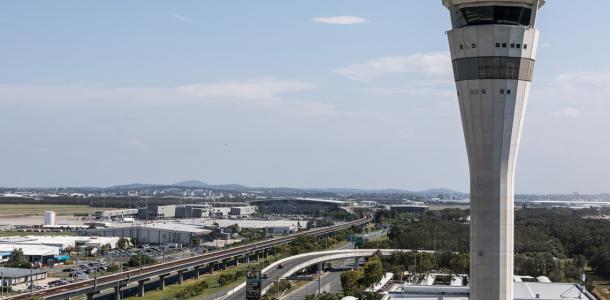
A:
265,275
280,266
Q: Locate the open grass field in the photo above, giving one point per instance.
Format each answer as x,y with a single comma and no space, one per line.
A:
447,206
13,210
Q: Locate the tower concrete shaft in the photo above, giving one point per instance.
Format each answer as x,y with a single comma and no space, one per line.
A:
493,49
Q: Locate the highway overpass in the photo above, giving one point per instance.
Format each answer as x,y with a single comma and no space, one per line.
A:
294,264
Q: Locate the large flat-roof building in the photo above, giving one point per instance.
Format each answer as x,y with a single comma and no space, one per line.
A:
493,45
116,214
297,206
31,253
61,242
157,212
272,226
522,291
156,233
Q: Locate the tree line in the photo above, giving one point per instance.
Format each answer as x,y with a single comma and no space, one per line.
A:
559,243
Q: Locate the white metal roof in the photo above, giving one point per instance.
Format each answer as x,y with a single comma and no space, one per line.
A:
522,291
16,272
56,241
256,223
31,250
177,227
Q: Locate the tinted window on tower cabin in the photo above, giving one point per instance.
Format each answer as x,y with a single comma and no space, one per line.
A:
484,15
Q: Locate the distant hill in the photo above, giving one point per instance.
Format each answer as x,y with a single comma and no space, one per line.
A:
192,183
132,186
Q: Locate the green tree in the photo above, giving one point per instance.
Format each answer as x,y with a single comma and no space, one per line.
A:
372,272
350,282
122,244
140,260
105,248
17,260
134,241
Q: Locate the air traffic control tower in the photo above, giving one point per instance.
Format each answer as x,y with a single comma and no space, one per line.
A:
493,48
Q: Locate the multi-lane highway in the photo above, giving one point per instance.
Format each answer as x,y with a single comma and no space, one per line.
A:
93,286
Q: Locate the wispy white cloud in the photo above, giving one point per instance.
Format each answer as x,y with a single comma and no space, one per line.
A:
574,89
181,18
268,94
429,64
252,89
341,20
601,79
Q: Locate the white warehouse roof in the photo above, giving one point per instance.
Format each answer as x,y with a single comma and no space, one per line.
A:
61,242
31,250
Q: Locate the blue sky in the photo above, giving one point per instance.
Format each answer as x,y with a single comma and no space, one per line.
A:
280,93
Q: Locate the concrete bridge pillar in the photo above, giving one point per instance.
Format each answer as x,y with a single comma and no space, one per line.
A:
141,287
181,277
320,268
117,292
91,295
162,281
197,272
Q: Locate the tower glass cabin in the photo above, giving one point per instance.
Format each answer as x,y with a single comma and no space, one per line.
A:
493,49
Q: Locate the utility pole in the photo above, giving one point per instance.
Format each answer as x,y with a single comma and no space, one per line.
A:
278,287
76,265
31,280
